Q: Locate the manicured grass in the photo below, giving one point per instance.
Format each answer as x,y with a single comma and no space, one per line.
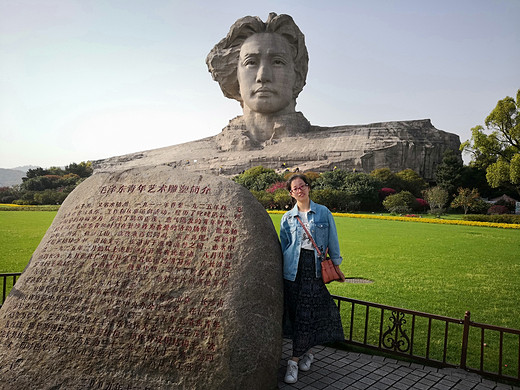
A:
20,234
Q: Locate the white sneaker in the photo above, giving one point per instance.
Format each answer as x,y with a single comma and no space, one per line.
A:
306,361
291,376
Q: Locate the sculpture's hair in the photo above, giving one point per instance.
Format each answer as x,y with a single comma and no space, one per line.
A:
222,60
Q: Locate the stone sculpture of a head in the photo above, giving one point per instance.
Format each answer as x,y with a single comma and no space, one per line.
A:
237,63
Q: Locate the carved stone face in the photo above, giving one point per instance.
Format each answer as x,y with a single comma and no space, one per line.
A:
266,74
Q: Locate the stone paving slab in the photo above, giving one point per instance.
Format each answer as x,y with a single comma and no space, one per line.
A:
337,370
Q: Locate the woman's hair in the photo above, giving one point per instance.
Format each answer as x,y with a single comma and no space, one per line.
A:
297,176
222,60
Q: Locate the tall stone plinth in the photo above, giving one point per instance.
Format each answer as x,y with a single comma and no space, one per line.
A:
148,279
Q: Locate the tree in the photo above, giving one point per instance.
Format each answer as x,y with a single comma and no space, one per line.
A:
51,185
466,199
41,183
282,200
474,177
361,187
514,169
257,178
335,200
331,179
498,152
8,194
387,178
405,180
364,188
49,197
83,169
265,198
31,173
57,171
411,181
448,174
504,173
311,175
400,203
437,197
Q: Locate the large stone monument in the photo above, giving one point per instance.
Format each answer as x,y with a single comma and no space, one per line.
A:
148,278
264,67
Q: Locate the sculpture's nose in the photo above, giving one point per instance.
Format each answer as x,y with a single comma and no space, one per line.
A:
264,74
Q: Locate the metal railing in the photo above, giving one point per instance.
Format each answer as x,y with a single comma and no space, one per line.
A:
488,350
5,277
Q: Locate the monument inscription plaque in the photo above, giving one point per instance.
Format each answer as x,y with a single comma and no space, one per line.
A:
148,279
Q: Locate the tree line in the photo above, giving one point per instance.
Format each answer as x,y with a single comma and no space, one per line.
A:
46,186
402,192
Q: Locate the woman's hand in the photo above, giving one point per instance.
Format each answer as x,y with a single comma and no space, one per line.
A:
342,280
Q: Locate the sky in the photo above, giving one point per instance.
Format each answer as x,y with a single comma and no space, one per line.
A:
90,79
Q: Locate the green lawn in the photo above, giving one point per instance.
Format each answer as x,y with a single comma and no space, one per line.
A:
20,234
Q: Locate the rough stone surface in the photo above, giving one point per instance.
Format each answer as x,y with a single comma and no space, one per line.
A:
149,278
416,144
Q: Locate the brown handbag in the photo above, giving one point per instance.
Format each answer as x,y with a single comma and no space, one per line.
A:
329,271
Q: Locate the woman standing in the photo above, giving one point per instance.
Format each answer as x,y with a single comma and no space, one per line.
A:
310,315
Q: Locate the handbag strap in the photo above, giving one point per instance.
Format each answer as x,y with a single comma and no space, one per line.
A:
309,235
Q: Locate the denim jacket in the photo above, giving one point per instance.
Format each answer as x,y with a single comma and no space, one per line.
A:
323,231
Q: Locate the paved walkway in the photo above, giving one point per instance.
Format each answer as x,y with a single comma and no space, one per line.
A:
337,369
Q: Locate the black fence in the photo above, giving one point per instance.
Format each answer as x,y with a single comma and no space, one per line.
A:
8,283
488,350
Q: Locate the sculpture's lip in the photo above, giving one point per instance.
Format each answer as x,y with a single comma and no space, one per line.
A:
264,89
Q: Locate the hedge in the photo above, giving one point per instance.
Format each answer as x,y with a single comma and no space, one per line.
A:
494,218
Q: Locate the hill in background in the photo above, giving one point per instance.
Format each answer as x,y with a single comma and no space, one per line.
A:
10,177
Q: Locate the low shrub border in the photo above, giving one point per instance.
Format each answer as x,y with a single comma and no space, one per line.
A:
496,218
424,220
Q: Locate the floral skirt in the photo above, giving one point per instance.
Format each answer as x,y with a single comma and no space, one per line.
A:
310,315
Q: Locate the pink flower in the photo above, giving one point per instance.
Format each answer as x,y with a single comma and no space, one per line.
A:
276,186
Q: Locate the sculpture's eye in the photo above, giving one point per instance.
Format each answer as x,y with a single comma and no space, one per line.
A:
279,60
249,62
